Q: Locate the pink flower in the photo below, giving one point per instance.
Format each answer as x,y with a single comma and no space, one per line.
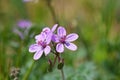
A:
42,45
64,40
44,38
46,31
24,24
42,42
23,27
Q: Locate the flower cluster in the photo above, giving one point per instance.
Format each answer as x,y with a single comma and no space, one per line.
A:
48,37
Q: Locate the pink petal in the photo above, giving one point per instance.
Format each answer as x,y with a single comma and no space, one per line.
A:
46,30
40,37
47,50
71,37
59,48
55,38
48,38
38,54
61,31
71,46
54,27
33,48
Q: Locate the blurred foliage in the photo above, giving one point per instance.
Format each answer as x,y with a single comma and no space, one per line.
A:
96,21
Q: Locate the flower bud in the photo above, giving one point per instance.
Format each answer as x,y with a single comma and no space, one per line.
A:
50,69
61,64
50,65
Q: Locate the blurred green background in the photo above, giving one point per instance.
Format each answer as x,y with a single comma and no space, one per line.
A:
96,21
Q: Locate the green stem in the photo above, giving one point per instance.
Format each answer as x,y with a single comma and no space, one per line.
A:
29,71
62,73
19,54
54,60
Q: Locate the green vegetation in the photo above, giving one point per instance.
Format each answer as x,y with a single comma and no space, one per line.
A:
96,21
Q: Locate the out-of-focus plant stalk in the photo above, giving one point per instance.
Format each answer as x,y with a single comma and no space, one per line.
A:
88,56
52,11
2,69
28,71
55,60
19,54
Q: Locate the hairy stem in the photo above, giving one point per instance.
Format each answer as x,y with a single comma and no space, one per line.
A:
62,73
54,60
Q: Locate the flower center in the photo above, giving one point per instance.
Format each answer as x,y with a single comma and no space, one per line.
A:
42,43
62,39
